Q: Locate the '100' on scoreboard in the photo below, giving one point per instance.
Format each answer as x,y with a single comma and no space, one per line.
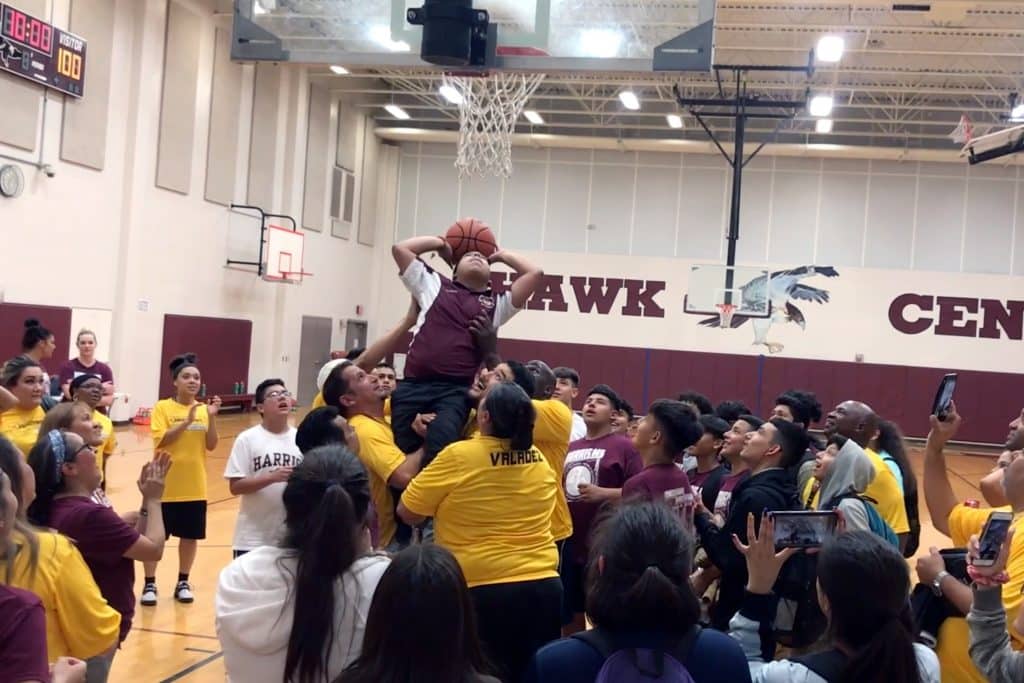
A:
41,52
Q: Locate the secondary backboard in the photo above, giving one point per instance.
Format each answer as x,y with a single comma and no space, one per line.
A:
283,255
746,288
539,35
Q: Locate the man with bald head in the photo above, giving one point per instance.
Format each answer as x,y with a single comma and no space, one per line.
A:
857,421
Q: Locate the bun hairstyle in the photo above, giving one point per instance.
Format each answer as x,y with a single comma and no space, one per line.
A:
34,333
179,363
512,414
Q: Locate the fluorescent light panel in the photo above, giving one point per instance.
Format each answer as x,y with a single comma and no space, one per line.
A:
1017,113
674,120
830,49
823,126
397,111
821,105
629,100
451,93
338,69
533,117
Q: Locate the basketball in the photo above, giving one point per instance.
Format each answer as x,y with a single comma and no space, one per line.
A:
470,234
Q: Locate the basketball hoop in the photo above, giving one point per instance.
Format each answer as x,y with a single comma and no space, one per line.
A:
964,132
725,313
490,106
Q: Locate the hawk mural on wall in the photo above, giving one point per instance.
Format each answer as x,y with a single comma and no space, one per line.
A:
781,289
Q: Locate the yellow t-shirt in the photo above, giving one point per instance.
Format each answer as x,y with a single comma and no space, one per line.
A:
21,426
954,636
109,440
381,457
186,480
809,497
79,622
551,434
886,490
492,508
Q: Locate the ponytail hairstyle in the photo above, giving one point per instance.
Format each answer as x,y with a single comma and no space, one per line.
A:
47,459
11,462
639,570
423,584
34,333
878,632
325,501
512,414
180,362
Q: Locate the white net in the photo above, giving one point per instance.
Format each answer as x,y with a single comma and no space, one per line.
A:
725,313
488,112
964,132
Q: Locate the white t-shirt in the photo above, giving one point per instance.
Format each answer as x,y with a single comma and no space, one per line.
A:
261,514
579,428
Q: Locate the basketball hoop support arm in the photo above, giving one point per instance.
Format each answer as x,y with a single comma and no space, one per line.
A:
737,108
263,235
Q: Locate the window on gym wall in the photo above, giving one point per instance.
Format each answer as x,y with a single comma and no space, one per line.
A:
343,193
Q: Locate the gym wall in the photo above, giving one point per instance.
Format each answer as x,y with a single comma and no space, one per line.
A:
135,224
928,257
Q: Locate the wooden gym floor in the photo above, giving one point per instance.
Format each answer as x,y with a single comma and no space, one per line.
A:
172,642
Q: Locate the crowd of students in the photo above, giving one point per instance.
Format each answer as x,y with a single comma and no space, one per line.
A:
478,544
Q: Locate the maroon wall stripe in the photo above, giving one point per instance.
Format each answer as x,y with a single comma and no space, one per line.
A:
222,344
57,319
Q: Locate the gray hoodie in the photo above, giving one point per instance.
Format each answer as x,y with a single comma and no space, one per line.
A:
990,643
851,470
254,613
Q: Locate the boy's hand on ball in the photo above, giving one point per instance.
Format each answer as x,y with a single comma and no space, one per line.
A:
445,250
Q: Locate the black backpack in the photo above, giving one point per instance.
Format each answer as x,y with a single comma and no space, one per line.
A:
829,664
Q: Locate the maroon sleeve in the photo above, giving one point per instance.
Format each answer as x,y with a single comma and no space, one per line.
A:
108,535
23,655
66,372
106,373
622,463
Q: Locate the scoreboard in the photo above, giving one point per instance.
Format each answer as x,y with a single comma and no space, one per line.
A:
41,52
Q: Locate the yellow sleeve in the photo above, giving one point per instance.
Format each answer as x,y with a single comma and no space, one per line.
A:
429,487
158,424
90,626
965,521
318,401
807,492
554,422
382,456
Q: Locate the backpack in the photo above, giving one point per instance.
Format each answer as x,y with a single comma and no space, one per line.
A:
878,526
829,664
640,665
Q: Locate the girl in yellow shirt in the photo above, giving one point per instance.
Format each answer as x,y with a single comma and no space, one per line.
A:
79,622
187,429
491,498
23,377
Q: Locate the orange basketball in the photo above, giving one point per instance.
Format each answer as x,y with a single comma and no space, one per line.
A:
469,234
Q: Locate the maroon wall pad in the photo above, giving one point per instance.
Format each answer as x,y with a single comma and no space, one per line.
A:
57,319
222,344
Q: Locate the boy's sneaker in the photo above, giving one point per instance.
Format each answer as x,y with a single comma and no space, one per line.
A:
183,592
148,595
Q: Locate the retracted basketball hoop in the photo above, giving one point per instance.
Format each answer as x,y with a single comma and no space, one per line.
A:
725,313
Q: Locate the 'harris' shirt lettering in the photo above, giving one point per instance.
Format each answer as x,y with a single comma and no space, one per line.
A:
275,461
511,458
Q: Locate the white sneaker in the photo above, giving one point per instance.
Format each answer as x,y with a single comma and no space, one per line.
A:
183,592
148,595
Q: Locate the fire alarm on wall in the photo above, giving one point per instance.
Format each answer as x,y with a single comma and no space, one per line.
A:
359,310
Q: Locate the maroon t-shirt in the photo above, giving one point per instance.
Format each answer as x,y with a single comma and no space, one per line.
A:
725,492
23,654
654,480
103,538
74,368
607,462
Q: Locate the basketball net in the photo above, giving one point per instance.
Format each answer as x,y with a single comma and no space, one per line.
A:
725,313
490,107
964,131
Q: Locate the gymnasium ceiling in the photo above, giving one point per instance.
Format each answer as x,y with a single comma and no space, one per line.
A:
905,79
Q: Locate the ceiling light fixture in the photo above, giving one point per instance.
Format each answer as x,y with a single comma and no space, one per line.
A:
674,121
830,49
823,126
821,105
629,100
339,70
533,117
397,112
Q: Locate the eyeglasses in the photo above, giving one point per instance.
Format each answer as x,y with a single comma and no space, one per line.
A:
84,448
278,394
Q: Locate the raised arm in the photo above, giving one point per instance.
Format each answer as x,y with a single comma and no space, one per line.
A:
529,275
376,351
406,251
938,492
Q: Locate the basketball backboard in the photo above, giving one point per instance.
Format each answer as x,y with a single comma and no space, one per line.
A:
283,255
533,35
712,284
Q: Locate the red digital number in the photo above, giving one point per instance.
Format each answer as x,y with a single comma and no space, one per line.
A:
18,21
33,33
46,38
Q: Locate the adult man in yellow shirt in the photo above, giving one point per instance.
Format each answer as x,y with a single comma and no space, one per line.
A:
358,397
960,522
857,421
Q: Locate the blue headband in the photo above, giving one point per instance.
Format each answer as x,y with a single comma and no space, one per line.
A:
60,452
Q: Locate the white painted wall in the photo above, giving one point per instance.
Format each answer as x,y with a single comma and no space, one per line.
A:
102,241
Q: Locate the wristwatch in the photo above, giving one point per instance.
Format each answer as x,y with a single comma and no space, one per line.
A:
937,582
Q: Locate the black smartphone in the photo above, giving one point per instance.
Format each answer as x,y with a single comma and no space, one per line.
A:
803,528
944,395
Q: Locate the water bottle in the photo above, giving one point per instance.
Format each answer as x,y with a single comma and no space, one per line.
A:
241,387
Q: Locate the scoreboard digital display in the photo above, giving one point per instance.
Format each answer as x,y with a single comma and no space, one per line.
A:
41,52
